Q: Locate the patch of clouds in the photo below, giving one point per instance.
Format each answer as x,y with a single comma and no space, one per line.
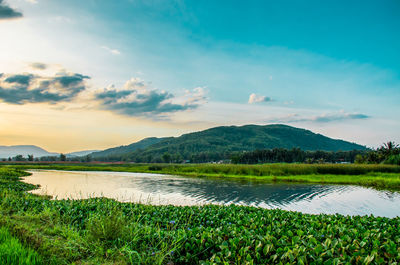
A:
195,96
32,1
340,116
29,88
138,98
112,51
38,66
254,98
7,12
323,118
22,79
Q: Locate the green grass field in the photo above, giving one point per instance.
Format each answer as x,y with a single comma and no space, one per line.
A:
380,176
104,231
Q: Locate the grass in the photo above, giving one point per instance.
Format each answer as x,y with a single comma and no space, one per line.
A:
104,231
380,176
12,252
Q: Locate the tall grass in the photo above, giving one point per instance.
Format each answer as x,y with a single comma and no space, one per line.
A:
12,252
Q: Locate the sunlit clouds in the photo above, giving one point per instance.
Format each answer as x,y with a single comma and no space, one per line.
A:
29,88
137,98
254,98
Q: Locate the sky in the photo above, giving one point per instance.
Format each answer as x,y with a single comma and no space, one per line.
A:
77,75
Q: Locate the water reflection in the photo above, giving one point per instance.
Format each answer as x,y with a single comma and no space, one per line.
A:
164,189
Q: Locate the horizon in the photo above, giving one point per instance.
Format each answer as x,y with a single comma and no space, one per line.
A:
97,74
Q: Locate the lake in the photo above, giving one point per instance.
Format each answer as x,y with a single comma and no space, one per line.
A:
167,189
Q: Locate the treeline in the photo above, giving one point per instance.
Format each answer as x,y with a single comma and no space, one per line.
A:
295,155
388,153
60,158
276,155
141,156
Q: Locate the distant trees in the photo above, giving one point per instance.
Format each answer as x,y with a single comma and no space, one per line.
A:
48,158
87,158
63,157
387,153
276,155
19,158
30,158
166,158
295,155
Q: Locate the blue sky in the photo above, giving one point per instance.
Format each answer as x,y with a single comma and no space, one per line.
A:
159,68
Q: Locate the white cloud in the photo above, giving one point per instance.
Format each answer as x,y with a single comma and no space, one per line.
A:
195,96
112,51
254,98
32,1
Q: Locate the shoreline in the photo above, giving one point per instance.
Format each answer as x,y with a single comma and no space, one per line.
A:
377,176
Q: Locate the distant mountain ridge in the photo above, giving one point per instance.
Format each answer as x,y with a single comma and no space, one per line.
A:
36,151
24,150
81,153
219,142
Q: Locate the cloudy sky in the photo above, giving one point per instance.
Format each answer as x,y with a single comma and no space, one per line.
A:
94,74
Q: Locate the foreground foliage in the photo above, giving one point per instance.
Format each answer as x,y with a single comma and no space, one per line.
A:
104,231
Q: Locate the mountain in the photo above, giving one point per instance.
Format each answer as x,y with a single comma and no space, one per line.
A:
24,150
220,142
124,149
81,153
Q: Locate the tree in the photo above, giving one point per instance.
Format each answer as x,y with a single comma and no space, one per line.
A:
166,157
389,148
88,158
62,157
19,158
30,157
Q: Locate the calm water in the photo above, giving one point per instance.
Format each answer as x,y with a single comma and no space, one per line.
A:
165,189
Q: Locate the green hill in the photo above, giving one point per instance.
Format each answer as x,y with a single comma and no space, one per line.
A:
221,142
124,149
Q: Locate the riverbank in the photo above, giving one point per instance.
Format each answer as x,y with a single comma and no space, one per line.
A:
104,231
379,176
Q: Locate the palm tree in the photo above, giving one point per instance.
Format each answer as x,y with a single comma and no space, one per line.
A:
389,148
